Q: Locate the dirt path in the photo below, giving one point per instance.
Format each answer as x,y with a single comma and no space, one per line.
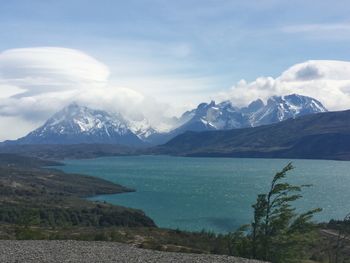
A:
96,252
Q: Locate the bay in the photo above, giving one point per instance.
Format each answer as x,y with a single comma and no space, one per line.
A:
214,194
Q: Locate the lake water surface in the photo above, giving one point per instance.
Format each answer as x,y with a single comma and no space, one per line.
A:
214,193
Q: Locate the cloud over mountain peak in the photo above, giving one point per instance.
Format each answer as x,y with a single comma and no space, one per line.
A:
36,82
325,80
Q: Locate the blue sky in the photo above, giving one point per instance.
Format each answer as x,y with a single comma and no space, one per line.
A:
168,56
223,41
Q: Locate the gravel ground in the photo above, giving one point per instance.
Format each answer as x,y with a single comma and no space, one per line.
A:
95,252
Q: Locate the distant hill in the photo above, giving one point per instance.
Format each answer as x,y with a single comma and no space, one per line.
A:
10,159
66,151
318,136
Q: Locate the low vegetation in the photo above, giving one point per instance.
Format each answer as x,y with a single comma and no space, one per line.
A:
277,233
337,240
34,196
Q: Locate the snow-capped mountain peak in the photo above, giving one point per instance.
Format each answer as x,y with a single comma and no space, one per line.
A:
142,128
80,124
209,116
213,116
279,108
80,119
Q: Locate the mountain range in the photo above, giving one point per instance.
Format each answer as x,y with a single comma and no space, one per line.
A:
225,116
77,124
317,136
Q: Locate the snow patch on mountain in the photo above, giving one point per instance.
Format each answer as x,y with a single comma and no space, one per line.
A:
80,124
75,119
224,115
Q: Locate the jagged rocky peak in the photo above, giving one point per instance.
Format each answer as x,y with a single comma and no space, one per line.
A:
280,108
255,105
296,104
305,103
142,128
226,116
203,107
209,116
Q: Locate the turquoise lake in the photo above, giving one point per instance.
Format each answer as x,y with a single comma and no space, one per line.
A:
215,194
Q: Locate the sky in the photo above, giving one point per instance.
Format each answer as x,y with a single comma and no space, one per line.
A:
157,58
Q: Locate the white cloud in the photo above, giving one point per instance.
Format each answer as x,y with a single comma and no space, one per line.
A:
49,69
37,82
325,80
13,127
167,71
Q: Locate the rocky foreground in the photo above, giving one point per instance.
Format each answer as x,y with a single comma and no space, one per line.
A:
96,252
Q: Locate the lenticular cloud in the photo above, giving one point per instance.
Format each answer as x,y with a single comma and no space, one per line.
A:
49,69
37,82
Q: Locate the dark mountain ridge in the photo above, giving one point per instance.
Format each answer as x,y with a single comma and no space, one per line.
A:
318,136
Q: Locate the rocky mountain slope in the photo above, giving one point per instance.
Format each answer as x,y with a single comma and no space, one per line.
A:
225,116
